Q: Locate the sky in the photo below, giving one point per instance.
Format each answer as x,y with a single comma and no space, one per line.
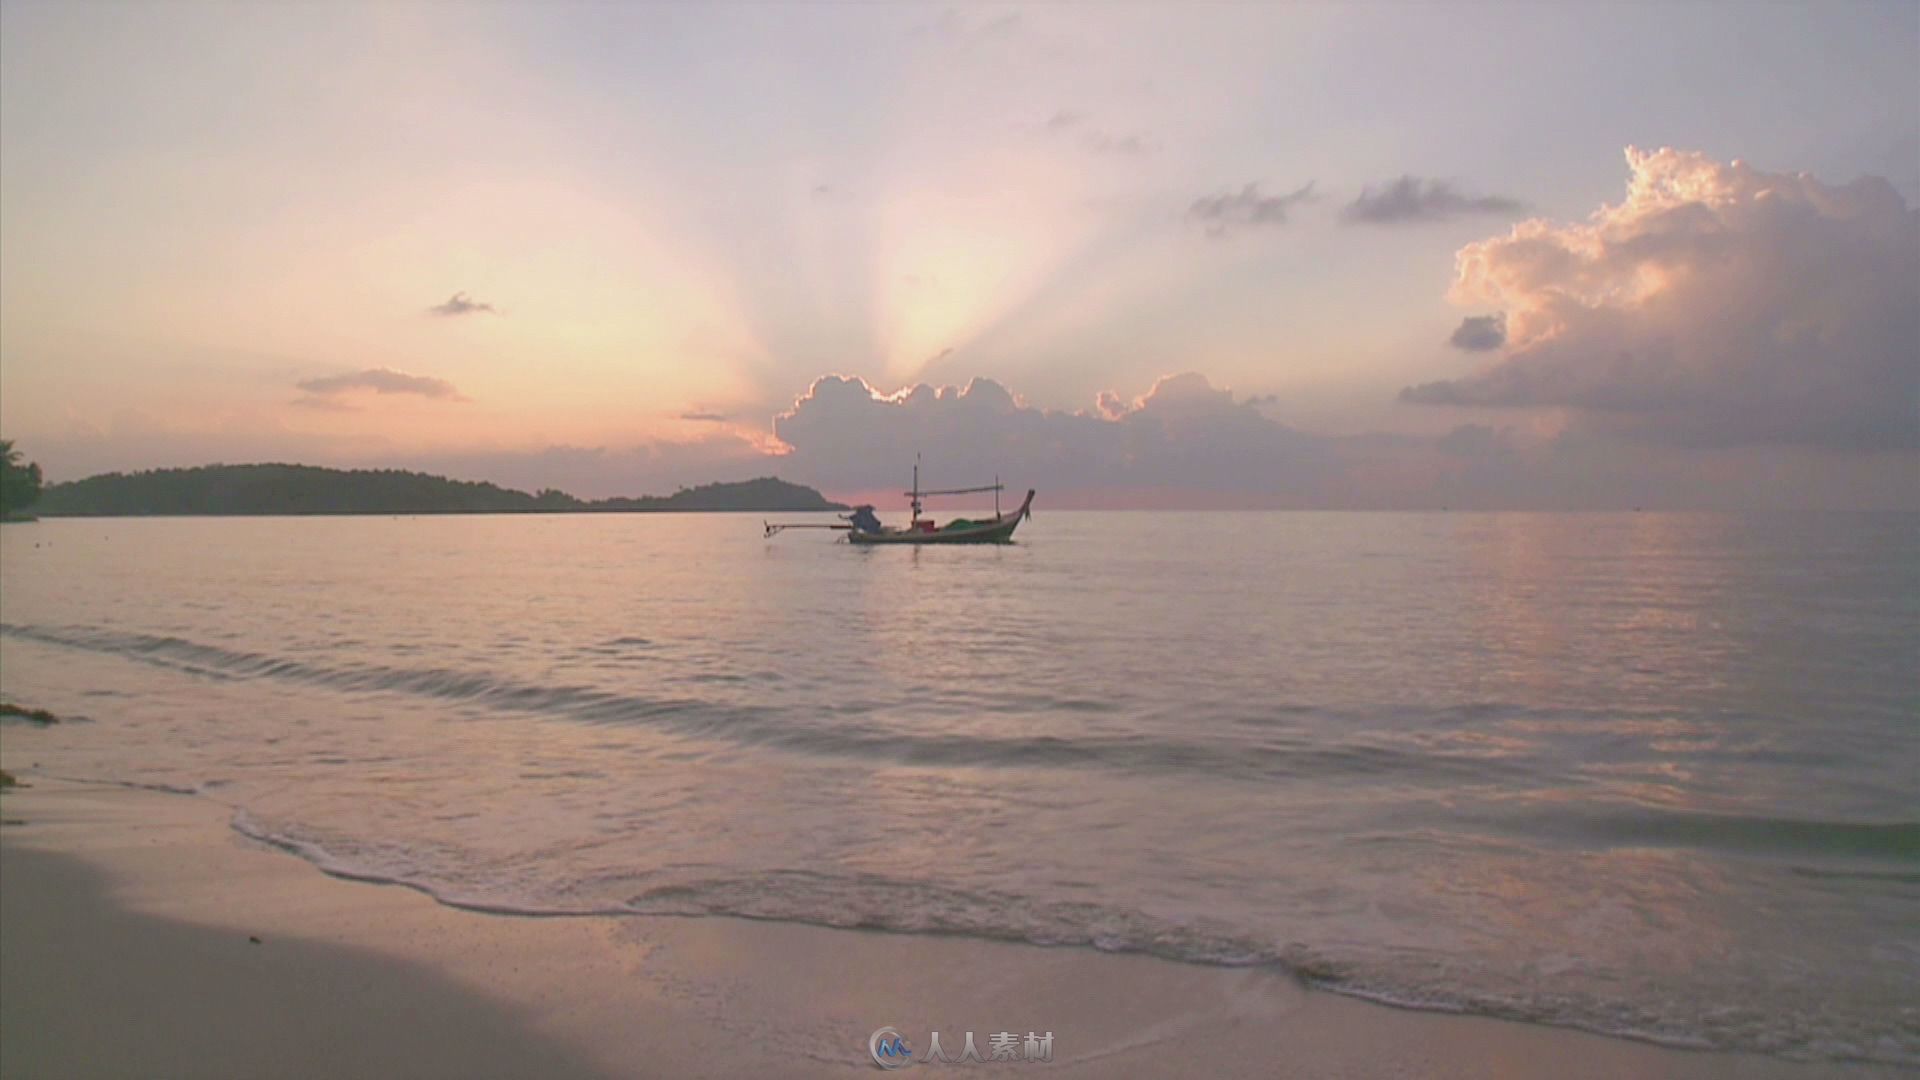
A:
1533,256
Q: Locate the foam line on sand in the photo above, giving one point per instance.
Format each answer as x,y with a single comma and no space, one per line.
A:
128,919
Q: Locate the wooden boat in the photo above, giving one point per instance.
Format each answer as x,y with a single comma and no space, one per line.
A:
995,530
863,528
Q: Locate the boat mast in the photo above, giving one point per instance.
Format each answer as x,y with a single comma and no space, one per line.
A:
916,489
918,496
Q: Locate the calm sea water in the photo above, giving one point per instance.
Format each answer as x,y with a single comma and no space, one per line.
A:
1649,774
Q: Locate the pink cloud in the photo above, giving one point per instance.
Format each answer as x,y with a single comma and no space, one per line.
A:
1716,304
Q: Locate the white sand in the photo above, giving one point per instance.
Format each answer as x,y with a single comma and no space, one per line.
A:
124,925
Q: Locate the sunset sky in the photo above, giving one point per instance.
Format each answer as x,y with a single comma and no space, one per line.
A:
1219,255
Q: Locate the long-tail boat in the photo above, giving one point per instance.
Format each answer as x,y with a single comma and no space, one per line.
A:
864,528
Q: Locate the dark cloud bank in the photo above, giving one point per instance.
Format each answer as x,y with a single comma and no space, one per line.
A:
1411,200
1247,208
1188,443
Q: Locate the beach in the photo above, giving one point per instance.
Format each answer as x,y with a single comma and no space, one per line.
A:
127,918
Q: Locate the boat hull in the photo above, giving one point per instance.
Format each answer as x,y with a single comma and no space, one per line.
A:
991,532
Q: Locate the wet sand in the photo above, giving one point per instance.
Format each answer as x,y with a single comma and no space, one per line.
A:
126,919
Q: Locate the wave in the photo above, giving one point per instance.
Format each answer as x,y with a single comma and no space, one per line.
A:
866,901
347,870
1254,753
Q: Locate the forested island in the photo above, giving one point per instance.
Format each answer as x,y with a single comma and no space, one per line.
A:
308,489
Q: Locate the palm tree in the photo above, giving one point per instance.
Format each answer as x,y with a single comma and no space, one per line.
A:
19,484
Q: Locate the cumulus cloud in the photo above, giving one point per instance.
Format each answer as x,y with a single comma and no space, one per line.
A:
1186,394
1182,433
1411,200
379,381
1187,442
1715,305
1480,333
1246,208
461,304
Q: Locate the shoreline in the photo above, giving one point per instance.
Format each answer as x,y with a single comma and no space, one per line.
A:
126,935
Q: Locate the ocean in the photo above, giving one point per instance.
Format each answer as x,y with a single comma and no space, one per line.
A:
1655,775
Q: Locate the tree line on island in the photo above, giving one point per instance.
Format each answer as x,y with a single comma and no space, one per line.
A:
307,489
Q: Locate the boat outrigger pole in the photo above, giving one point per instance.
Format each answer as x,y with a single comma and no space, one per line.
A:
771,529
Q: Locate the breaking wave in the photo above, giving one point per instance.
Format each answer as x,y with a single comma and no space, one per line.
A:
864,901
